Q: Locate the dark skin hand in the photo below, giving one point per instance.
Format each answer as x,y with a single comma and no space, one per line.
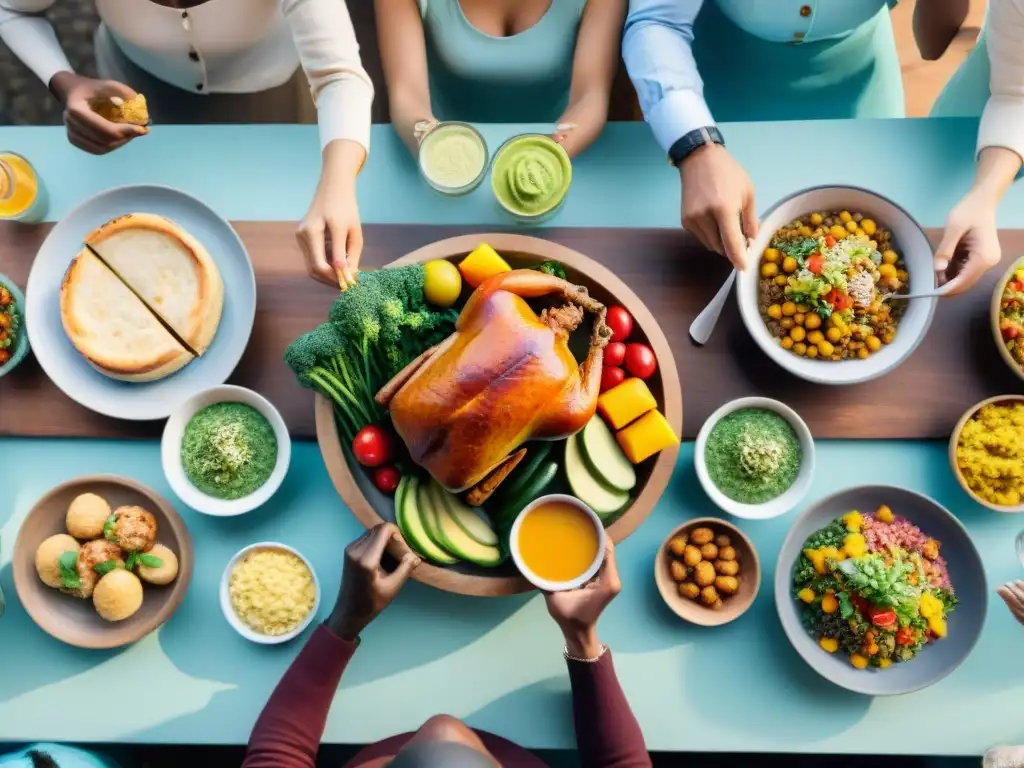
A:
366,587
86,129
576,612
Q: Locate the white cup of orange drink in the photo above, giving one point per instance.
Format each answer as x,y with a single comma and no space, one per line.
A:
22,194
557,542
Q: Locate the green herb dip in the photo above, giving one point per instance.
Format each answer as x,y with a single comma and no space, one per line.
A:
531,174
753,455
229,450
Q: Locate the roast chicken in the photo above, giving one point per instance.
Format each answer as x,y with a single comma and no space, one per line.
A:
465,407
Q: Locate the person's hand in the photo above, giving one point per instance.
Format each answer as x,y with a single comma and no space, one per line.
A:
718,202
970,230
366,588
87,130
576,612
331,236
1013,595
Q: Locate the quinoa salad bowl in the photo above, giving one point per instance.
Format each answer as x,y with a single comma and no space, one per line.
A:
880,590
821,295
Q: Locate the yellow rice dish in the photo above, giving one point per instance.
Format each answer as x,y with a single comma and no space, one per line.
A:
990,453
272,591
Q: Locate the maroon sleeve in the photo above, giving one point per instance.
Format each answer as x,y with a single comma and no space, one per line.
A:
288,731
607,733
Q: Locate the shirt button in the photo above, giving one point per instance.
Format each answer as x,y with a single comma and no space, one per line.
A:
805,10
199,86
193,54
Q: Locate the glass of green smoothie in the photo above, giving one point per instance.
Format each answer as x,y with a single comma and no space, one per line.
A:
530,177
453,158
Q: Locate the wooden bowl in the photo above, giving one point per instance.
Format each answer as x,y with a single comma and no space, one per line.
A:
372,507
75,621
955,438
997,297
694,611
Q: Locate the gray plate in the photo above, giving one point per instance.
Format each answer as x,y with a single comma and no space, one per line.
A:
69,370
966,573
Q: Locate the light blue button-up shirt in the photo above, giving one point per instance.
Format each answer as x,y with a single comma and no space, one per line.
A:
659,36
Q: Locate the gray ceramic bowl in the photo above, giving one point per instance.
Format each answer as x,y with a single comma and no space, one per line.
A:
20,347
966,573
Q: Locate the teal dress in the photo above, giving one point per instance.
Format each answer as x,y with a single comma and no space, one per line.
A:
796,60
57,754
967,91
481,78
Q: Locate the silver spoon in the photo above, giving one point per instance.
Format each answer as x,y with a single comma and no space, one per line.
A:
936,294
704,323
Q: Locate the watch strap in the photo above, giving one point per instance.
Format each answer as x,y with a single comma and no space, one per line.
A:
687,143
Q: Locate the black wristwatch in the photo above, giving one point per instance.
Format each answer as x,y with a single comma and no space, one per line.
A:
686,144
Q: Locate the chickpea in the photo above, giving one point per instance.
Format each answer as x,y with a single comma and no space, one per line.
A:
709,551
799,318
786,323
775,311
825,349
677,544
722,540
812,351
805,231
691,555
727,554
812,321
771,255
704,573
689,590
845,217
727,567
816,219
803,309
780,280
902,276
789,264
851,227
800,348
789,309
709,596
863,354
769,269
815,337
888,271
701,536
874,343
798,334
727,585
890,257
888,337
838,231
869,227
786,342
678,571
833,334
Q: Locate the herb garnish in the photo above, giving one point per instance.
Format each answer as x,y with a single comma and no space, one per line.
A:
799,249
68,564
105,567
141,558
552,268
108,528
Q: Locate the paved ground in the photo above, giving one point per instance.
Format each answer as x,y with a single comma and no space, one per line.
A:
24,101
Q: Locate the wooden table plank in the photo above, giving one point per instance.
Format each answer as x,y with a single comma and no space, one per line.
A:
956,366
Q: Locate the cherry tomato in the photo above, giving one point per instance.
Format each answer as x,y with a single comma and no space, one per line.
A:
372,446
816,263
614,354
386,479
612,377
830,241
621,323
905,636
640,360
883,618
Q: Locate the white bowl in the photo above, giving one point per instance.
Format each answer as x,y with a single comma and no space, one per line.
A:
780,504
240,626
170,451
557,586
909,239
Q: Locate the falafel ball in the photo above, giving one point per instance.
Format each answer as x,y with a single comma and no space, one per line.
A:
134,529
118,595
48,558
91,554
87,515
162,574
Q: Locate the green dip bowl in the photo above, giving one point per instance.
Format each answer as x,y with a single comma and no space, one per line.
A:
530,177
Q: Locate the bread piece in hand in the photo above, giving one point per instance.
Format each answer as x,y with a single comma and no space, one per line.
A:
118,110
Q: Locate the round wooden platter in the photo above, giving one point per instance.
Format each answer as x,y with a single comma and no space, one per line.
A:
372,507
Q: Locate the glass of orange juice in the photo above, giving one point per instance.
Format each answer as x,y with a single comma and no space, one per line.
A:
22,194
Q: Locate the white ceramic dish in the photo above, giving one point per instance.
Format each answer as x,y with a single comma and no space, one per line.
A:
170,451
69,370
909,239
780,505
557,586
240,626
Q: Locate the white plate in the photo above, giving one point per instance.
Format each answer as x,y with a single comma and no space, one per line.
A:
69,370
174,432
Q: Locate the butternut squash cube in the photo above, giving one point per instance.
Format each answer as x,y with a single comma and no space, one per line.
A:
860,662
806,594
829,644
481,263
853,522
625,403
646,436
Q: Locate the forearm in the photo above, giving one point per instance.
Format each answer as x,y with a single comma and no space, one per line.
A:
936,24
407,111
607,733
288,731
342,160
997,168
588,117
32,39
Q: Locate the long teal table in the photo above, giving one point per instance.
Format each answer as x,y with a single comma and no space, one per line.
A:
497,663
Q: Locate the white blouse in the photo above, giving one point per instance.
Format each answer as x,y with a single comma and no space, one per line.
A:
221,46
1002,122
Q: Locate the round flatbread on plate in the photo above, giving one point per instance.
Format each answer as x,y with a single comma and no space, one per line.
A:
78,363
